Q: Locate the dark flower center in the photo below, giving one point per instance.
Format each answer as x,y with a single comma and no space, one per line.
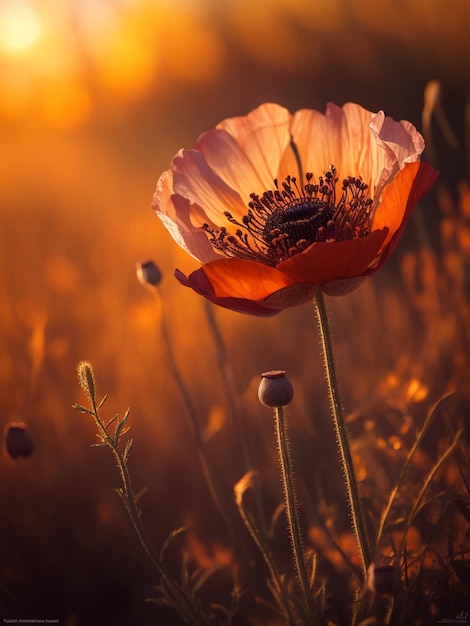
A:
298,221
285,221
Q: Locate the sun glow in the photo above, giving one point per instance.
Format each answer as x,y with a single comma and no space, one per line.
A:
20,27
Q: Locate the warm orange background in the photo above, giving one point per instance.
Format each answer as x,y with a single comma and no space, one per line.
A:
95,98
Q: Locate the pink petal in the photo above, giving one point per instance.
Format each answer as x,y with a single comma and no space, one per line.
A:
399,142
342,137
264,136
233,165
175,213
318,139
195,180
402,138
357,142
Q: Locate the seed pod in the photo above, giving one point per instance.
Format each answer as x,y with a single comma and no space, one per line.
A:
18,441
148,274
275,389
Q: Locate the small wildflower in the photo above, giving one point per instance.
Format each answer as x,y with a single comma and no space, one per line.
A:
275,389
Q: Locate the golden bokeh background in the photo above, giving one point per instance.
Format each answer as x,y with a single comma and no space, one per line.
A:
95,99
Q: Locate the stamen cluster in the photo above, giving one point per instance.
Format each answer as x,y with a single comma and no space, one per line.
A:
286,220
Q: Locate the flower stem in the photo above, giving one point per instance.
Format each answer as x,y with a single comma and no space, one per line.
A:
287,475
341,433
175,593
213,486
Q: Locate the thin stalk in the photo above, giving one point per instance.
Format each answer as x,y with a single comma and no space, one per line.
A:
401,478
287,476
178,597
206,466
259,538
233,401
341,433
175,594
228,382
425,487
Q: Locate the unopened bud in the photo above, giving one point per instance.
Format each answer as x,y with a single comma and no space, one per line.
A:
275,389
18,441
86,378
384,580
148,274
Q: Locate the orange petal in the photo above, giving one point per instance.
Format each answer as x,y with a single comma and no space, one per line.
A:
238,278
323,262
199,282
400,197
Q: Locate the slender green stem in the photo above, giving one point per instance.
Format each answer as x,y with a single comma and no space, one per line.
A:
178,597
287,475
174,592
341,433
212,483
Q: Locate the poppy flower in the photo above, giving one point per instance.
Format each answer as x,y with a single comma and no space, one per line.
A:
277,205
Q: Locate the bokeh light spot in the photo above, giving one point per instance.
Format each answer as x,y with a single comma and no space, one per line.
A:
20,27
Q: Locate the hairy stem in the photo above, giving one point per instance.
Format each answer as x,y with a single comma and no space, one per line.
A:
173,590
287,476
341,433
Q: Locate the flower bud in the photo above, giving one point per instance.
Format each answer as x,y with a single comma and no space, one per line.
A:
86,378
18,441
148,274
275,389
384,580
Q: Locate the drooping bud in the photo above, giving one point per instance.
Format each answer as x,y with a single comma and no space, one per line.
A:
384,580
275,389
148,274
18,441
